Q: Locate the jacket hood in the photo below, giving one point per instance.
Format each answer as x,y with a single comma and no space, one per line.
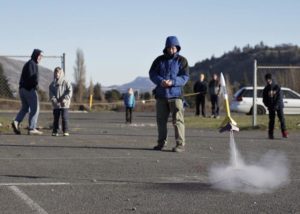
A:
172,41
60,79
35,54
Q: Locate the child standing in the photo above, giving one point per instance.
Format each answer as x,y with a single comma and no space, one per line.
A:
129,102
60,93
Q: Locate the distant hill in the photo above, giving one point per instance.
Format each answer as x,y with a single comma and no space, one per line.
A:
142,84
237,65
13,68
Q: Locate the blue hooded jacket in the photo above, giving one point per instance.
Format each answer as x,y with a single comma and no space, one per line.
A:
169,67
129,100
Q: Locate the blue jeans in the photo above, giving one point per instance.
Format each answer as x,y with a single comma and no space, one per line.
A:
30,103
64,112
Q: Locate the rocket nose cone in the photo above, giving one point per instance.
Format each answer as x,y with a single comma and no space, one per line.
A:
222,80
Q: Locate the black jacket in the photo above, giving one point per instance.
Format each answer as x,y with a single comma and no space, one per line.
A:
200,87
272,97
30,75
214,87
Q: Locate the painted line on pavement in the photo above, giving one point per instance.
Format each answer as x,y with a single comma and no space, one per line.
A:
33,205
34,184
74,158
92,158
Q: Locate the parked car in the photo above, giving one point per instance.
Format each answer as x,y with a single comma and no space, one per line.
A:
243,99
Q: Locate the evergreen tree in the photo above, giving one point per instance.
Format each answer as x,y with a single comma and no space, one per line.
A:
5,90
98,94
113,95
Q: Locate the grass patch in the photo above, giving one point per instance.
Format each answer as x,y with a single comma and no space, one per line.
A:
244,122
5,124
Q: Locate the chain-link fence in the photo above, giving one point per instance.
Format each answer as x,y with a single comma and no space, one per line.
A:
11,68
10,72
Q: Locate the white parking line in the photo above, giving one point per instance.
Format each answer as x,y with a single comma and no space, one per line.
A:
34,184
33,205
74,158
91,158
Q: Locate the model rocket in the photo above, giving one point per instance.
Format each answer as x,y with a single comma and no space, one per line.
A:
228,123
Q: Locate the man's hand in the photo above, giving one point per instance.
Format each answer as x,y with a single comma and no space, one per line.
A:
166,83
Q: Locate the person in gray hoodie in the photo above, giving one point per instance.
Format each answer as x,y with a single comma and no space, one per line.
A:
60,94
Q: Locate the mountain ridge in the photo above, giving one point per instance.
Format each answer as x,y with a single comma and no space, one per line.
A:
13,68
142,84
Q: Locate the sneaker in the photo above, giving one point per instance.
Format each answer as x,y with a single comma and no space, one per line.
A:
15,126
34,132
66,134
158,147
217,117
55,134
178,148
285,134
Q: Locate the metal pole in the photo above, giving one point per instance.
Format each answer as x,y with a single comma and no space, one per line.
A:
63,62
254,106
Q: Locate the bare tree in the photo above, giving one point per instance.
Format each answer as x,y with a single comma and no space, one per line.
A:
79,76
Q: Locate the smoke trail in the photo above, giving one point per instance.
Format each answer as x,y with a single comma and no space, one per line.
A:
266,175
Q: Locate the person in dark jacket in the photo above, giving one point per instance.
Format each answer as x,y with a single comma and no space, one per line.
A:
200,87
129,102
214,91
28,87
272,99
170,72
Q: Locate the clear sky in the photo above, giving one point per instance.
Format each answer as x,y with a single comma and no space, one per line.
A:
120,39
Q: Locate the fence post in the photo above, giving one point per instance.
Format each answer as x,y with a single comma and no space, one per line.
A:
254,106
63,62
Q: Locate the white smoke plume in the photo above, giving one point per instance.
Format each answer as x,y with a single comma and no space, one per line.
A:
263,176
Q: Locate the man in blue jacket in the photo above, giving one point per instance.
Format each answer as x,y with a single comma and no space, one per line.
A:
28,86
170,72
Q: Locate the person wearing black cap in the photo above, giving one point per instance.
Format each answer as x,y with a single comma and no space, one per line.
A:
272,99
170,72
28,86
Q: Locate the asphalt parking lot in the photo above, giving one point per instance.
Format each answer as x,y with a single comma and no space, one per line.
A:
107,166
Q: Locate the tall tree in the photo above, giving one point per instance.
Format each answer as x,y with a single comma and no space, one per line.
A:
79,76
